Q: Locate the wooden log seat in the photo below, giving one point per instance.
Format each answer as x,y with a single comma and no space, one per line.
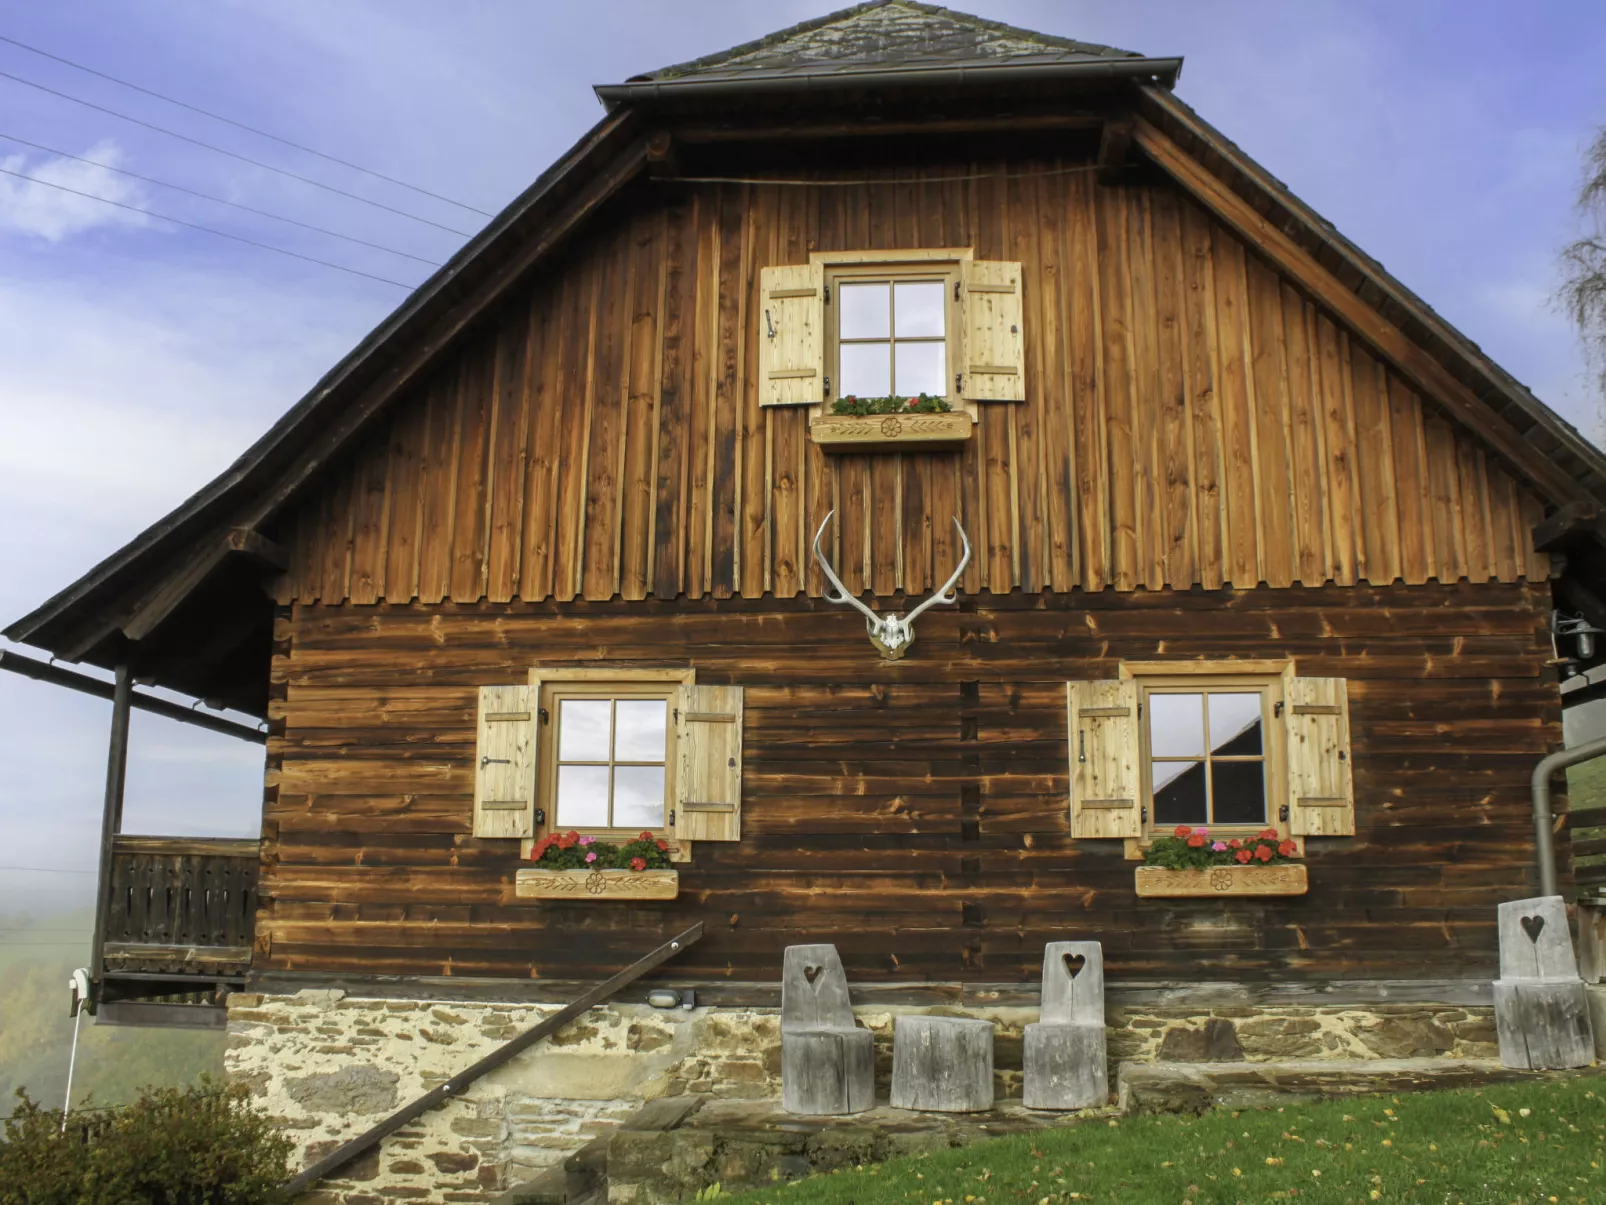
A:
827,1061
1541,1007
1065,1059
942,1064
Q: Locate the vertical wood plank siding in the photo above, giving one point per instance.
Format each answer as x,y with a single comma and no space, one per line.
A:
928,795
1191,419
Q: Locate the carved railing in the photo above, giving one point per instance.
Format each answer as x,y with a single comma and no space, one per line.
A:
180,906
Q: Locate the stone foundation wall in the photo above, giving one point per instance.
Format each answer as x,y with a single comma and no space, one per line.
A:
328,1066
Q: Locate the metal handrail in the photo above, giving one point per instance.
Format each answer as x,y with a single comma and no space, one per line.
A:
1544,835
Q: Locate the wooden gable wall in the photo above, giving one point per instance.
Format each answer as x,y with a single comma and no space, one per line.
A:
1190,419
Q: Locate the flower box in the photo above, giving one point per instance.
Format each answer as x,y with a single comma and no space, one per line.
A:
1283,878
894,432
540,884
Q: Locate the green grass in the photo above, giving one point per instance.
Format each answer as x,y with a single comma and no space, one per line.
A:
1511,1143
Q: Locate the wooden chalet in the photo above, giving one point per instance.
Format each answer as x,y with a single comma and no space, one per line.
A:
537,556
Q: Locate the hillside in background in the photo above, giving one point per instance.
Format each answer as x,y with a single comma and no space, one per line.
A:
36,960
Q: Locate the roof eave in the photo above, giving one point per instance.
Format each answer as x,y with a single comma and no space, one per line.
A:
1162,72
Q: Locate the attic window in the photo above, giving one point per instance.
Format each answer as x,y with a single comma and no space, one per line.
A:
892,335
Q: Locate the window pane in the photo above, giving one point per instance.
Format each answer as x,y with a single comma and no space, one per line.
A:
582,797
1235,725
638,797
866,370
922,368
1179,792
583,729
1176,725
1240,789
642,729
919,306
866,312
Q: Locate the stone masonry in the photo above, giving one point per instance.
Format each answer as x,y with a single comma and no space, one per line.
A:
328,1066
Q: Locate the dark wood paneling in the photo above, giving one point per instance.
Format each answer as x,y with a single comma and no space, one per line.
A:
862,779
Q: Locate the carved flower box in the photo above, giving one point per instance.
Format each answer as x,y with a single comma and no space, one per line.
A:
1285,878
893,432
536,884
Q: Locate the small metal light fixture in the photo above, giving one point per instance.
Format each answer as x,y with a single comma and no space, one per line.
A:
1579,628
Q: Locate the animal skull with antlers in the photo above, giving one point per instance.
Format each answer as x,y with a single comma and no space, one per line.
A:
891,634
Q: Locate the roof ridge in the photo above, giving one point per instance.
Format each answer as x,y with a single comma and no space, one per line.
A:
781,36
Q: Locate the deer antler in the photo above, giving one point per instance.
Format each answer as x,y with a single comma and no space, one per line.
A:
891,634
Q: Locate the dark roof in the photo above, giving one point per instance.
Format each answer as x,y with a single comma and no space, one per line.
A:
883,34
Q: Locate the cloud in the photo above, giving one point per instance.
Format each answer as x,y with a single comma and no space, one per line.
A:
30,207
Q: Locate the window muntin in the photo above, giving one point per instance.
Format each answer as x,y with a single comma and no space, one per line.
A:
610,760
892,334
1206,757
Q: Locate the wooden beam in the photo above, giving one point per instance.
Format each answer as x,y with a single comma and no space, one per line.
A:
258,548
596,995
691,135
1572,519
663,161
1115,144
1419,367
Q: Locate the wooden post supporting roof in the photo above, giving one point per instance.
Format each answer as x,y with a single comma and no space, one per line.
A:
111,819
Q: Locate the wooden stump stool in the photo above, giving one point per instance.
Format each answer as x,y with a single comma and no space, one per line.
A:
1541,1007
1064,1052
827,1061
942,1064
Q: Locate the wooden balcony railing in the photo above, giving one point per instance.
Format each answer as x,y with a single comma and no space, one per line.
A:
180,906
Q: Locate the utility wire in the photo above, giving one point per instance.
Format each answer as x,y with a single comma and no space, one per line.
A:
219,200
231,154
242,126
49,869
209,230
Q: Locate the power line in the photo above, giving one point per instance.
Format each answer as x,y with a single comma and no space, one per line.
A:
242,126
209,230
48,869
231,154
219,200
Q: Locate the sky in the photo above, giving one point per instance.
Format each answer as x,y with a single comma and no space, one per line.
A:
138,357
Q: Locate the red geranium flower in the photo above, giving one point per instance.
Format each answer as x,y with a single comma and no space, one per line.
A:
1196,840
1287,849
1182,830
1242,855
638,863
1263,852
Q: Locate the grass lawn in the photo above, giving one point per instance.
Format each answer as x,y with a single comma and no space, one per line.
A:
1507,1143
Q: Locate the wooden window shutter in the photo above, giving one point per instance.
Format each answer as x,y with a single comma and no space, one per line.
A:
791,335
994,360
1321,781
708,767
504,762
1105,759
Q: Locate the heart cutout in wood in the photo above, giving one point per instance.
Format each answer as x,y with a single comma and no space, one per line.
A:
1074,963
812,973
1533,926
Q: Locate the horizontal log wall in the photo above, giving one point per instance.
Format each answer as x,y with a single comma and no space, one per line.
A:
1190,419
914,813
